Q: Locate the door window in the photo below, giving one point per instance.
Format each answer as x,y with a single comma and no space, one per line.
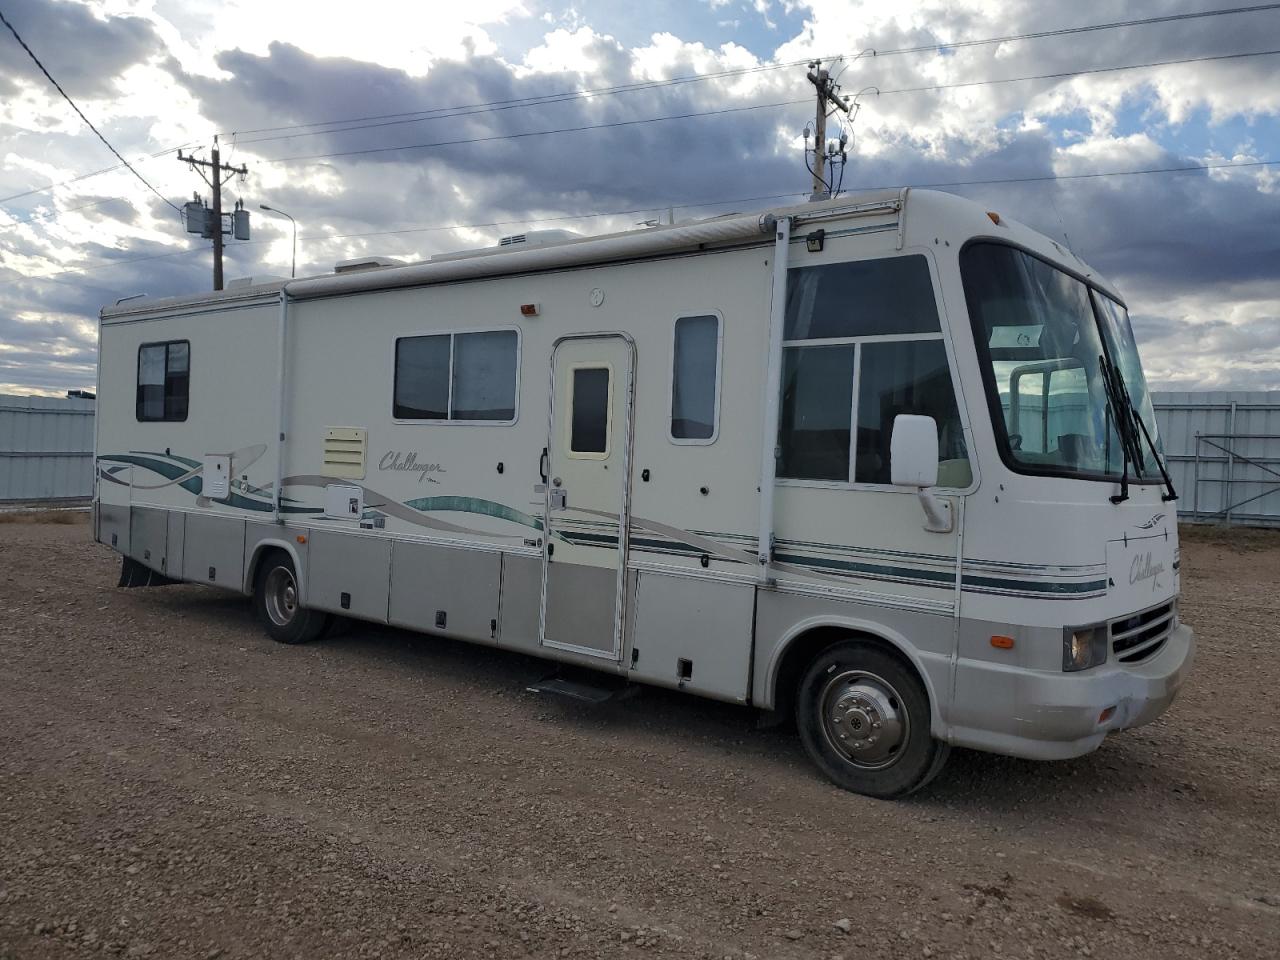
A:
589,420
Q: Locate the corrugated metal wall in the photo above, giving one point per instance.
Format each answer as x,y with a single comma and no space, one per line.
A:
1223,451
46,449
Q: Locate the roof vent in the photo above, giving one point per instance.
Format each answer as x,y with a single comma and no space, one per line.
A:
365,263
538,238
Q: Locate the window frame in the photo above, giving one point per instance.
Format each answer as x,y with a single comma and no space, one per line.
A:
671,387
943,334
138,380
569,452
451,333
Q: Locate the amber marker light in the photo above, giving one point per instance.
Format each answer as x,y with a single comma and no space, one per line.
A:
1106,714
528,309
300,538
1002,643
995,217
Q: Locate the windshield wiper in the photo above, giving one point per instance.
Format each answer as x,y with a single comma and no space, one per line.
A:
1124,427
1122,403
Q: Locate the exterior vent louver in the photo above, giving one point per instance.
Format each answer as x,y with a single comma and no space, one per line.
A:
344,452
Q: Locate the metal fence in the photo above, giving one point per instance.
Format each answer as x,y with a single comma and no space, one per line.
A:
46,450
1223,451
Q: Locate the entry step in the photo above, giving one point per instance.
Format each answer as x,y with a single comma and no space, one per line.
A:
584,687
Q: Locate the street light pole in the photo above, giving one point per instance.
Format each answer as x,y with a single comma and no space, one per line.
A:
293,270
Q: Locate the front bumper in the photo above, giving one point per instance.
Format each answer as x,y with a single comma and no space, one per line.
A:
1058,715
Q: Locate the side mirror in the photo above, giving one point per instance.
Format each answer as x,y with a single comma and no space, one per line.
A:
913,462
913,451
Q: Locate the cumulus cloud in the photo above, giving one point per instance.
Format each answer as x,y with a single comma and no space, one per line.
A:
1195,253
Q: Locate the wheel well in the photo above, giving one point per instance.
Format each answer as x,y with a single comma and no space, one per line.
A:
255,564
801,652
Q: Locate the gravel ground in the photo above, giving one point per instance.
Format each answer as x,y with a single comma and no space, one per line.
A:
173,784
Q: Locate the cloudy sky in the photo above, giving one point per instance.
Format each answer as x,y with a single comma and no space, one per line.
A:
287,84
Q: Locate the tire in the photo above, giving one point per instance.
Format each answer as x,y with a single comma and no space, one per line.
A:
863,716
275,601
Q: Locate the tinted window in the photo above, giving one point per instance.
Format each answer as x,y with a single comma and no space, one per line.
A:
589,426
907,376
457,376
861,299
422,378
693,378
817,396
484,376
164,379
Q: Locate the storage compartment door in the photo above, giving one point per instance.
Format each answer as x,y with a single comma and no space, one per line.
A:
694,634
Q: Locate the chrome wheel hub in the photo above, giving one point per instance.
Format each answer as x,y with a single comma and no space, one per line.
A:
281,596
864,718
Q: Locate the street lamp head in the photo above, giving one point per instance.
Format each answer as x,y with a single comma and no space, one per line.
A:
263,206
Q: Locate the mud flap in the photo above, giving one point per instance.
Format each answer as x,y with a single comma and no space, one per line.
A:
134,574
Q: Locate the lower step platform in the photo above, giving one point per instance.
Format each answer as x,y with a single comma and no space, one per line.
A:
582,685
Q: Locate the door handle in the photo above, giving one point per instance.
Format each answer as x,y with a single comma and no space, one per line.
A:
544,465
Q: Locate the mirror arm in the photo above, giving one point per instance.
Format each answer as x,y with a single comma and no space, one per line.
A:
937,511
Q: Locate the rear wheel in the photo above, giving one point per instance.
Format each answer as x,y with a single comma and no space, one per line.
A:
275,600
863,717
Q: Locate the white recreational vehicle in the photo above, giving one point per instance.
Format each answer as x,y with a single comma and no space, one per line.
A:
886,462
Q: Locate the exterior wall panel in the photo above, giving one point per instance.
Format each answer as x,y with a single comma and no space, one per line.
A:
46,449
1223,451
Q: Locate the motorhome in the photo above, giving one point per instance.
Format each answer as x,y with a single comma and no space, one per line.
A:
885,463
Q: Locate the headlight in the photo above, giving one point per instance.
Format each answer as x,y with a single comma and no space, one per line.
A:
1083,647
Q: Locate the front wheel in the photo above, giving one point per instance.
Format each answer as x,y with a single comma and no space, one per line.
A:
275,600
863,717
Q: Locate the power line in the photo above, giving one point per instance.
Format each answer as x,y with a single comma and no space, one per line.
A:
691,78
1188,168
80,113
1080,73
57,213
92,173
415,116
763,106
537,133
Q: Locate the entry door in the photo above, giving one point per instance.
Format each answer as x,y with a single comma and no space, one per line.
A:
588,465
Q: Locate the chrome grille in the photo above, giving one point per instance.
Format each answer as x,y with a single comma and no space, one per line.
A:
1135,638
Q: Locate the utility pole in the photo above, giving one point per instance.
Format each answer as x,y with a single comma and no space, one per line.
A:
821,79
214,229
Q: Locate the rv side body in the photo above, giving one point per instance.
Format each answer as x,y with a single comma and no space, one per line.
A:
584,526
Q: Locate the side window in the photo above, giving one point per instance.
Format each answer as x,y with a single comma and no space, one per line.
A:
862,298
908,376
589,419
467,377
695,375
817,398
164,381
863,344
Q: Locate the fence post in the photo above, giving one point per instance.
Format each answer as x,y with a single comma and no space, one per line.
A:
1228,491
1195,483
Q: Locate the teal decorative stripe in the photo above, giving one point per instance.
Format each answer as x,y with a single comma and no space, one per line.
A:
486,508
868,569
169,471
1059,587
969,582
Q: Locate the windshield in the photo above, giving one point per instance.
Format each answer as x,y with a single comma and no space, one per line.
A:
1040,334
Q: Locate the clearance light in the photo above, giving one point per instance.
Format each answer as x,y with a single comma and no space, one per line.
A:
528,309
995,217
1002,643
300,538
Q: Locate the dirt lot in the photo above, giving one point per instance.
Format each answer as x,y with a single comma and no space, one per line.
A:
172,784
